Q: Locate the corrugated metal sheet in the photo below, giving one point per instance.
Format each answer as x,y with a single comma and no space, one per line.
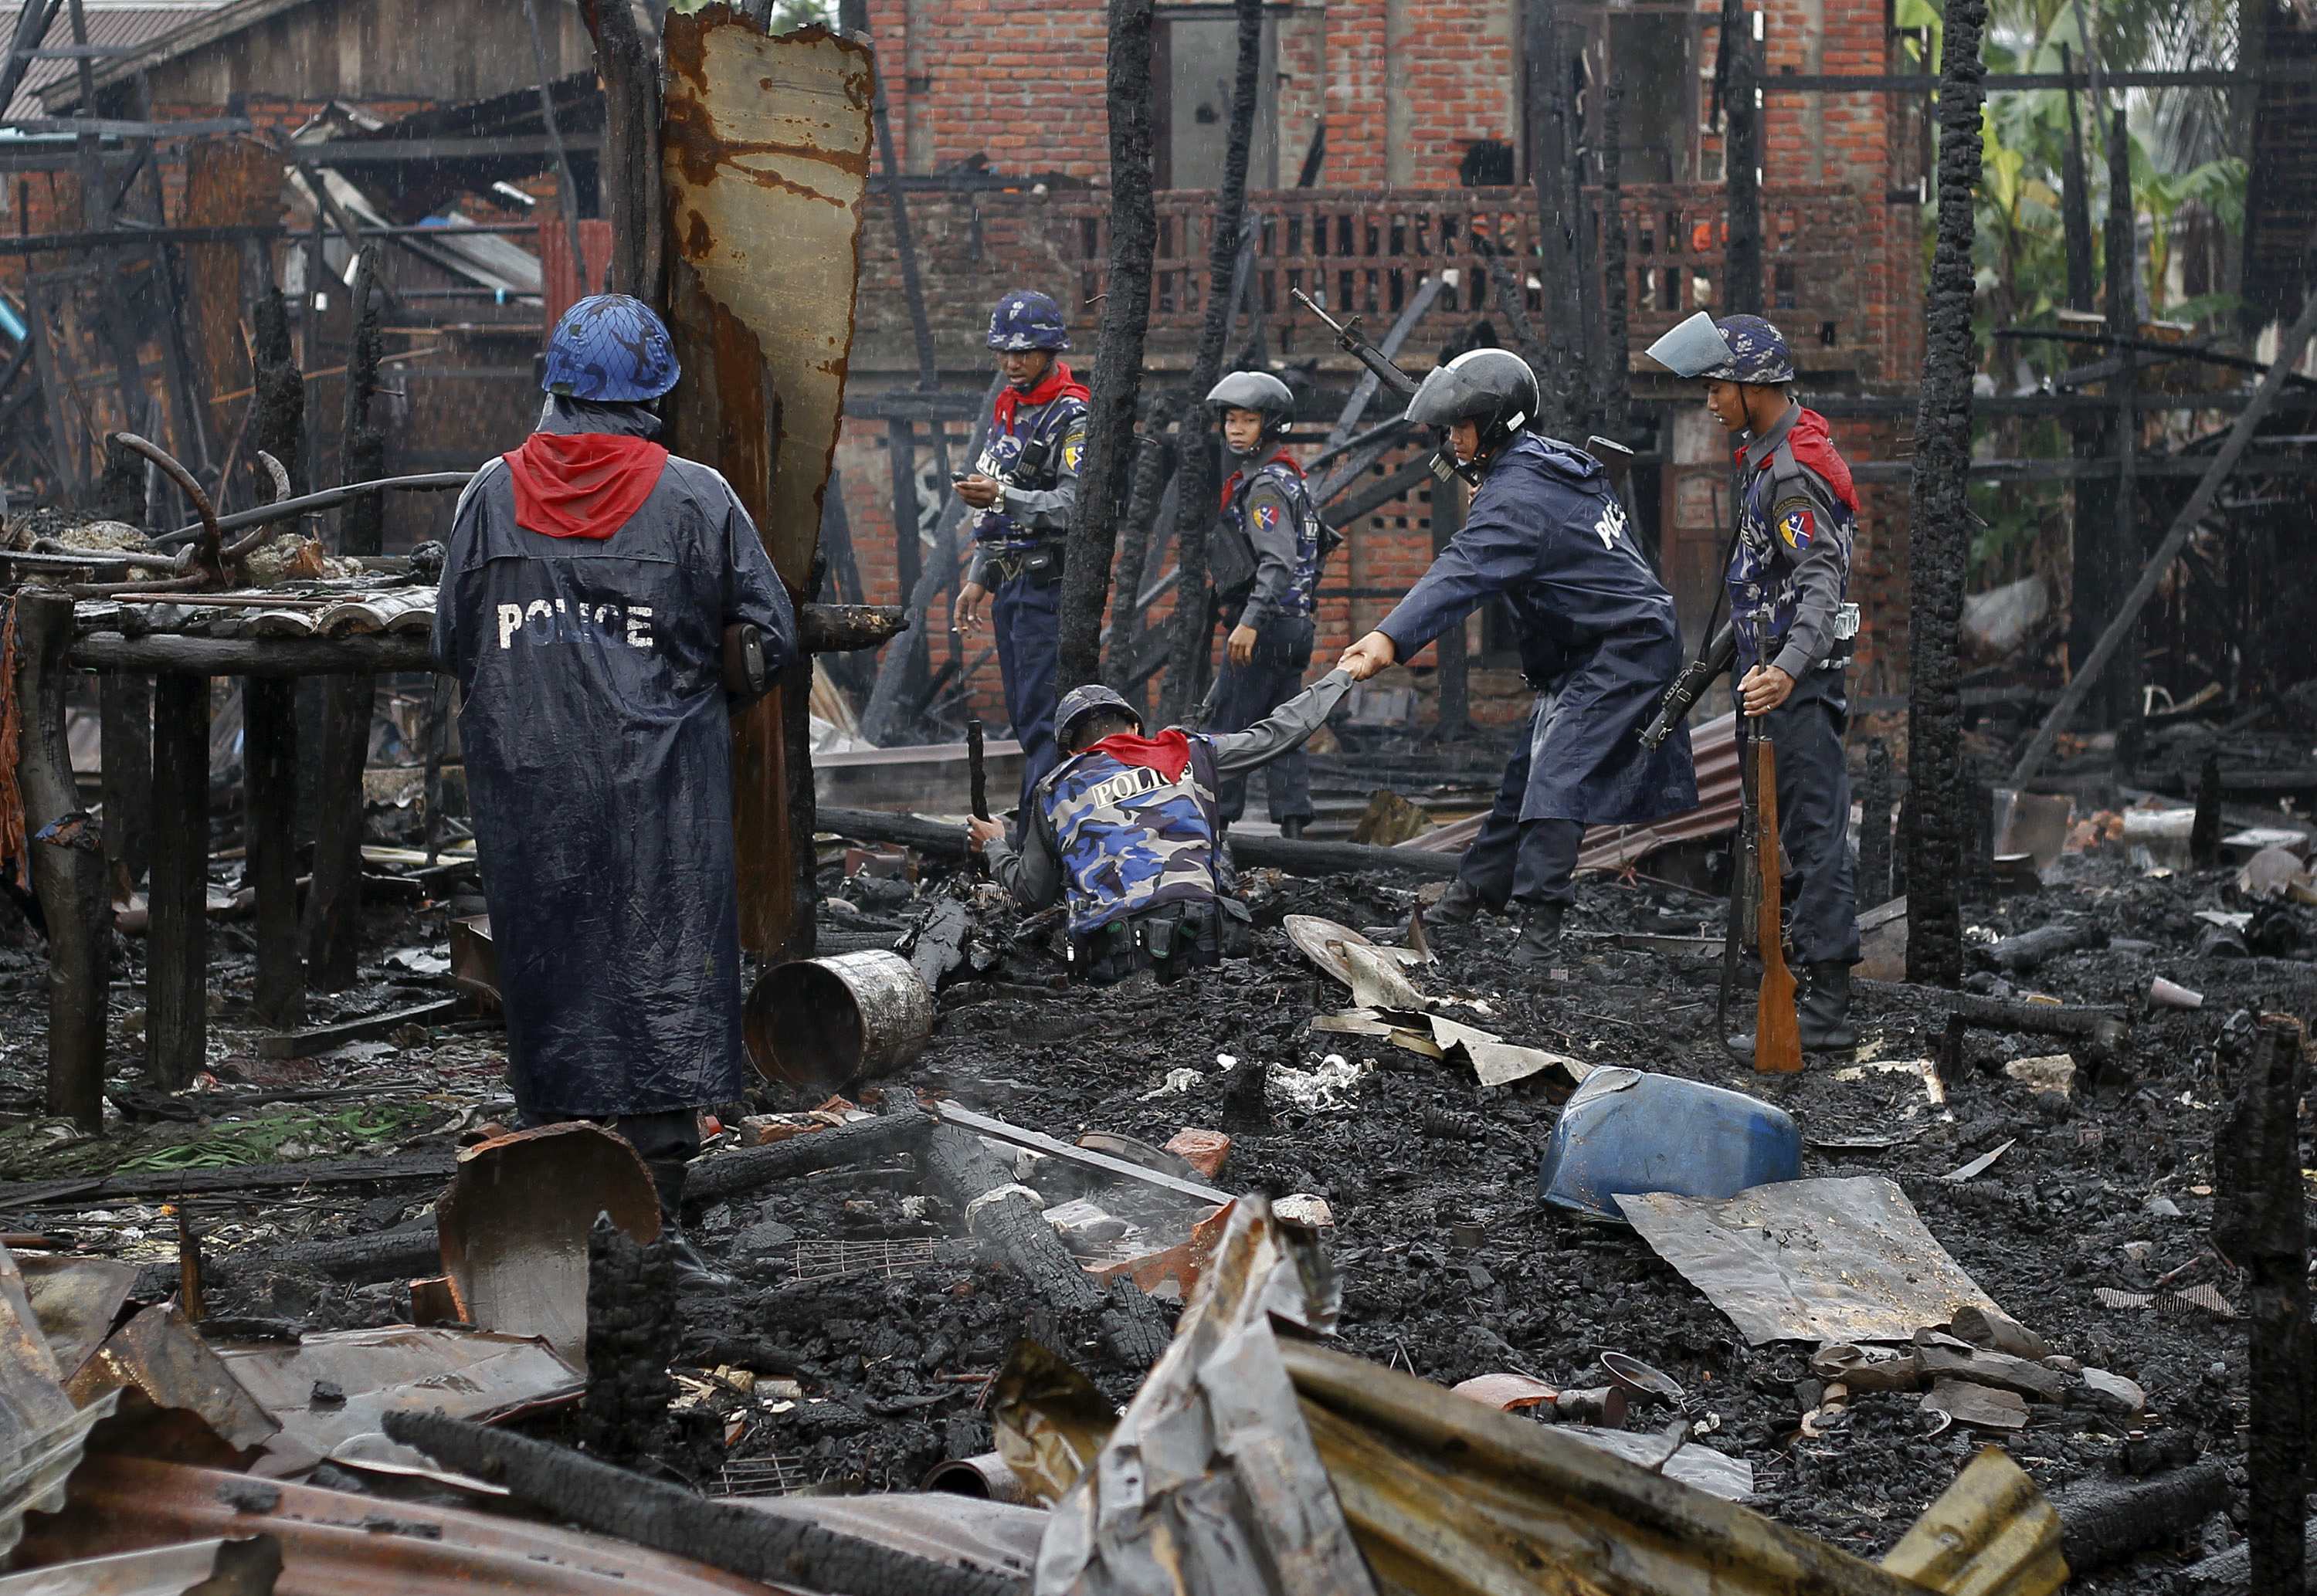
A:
1715,748
107,24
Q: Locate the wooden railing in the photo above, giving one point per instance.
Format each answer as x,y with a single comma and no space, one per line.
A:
1365,251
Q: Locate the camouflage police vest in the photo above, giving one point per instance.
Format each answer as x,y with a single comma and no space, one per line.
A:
1129,839
1779,519
1032,454
1286,493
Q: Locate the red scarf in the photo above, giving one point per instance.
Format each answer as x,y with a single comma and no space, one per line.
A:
1281,459
1057,383
1814,446
1167,754
582,484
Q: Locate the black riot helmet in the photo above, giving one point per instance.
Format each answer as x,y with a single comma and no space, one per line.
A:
1491,388
1258,391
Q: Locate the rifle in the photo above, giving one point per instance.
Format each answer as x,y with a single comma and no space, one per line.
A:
1742,878
1690,685
1778,1035
1205,710
1350,338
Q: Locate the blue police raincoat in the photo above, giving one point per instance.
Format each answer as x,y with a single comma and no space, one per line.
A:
1594,627
595,730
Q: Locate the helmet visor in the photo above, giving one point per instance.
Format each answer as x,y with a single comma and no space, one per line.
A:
1696,348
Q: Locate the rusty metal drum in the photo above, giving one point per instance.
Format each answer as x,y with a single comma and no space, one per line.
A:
824,1023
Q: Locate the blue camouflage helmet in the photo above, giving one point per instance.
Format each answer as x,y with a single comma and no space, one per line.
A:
1027,319
1735,349
609,347
1082,702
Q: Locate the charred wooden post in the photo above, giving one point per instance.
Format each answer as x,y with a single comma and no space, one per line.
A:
1004,1215
2121,689
1736,89
176,952
125,709
1546,93
279,428
2076,203
1873,886
1118,349
269,767
2204,831
67,859
2102,1523
628,60
1938,795
333,924
795,1553
1146,490
2094,566
901,1128
2260,1222
1616,387
908,566
1195,501
1454,718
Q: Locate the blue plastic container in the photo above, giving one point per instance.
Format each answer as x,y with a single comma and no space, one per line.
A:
1624,1131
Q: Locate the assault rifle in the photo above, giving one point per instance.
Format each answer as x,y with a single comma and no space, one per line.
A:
1350,338
1690,686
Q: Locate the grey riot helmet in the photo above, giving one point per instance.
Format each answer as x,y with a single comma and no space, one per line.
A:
1493,388
1258,391
1082,702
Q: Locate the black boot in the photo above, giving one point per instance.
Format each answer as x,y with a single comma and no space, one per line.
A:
1540,936
693,1272
1822,1017
1460,905
1825,1018
1292,828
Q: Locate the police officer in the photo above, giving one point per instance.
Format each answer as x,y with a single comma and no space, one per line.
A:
1124,831
589,580
1266,564
1023,490
1594,626
1797,514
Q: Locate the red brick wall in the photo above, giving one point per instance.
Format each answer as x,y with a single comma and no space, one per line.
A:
1022,84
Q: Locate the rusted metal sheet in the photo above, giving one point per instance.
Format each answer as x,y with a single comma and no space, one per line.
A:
41,1429
326,1389
246,1567
515,1226
77,1301
337,1544
160,1356
764,155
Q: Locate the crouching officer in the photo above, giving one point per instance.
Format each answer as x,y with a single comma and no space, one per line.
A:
1124,831
1023,490
590,581
1266,558
1797,514
1595,629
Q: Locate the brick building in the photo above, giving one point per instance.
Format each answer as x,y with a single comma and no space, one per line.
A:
1390,133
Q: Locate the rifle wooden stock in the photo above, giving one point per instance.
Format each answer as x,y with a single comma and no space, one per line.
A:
1778,1029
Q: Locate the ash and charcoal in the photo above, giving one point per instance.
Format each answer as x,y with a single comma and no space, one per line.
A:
859,1348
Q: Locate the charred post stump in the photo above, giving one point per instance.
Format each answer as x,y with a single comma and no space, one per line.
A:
2204,832
1197,488
632,1335
1738,95
1118,350
1938,794
67,857
2102,1523
269,764
1145,494
333,924
2260,1222
176,948
125,710
279,428
1875,827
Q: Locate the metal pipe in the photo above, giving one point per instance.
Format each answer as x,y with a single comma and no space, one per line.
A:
325,499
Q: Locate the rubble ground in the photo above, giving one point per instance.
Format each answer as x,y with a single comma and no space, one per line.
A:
867,1377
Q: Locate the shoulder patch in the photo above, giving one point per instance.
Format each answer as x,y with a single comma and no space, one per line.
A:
1796,519
1074,445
